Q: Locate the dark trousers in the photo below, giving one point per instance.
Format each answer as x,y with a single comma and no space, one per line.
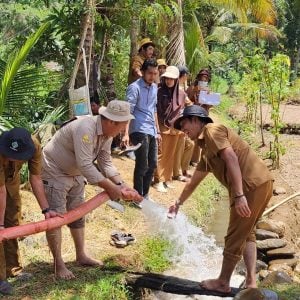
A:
145,161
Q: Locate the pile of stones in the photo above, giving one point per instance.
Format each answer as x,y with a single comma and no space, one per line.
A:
274,254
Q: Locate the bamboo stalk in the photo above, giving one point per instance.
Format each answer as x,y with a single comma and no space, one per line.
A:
280,203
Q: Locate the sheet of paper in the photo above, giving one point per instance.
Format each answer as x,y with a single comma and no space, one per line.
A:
209,98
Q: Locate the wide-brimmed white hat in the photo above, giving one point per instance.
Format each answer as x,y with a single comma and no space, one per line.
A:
171,72
117,110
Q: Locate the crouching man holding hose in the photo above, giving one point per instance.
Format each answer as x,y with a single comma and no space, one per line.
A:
247,179
17,147
68,159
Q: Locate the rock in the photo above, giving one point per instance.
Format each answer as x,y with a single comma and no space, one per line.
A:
257,294
270,244
297,268
289,261
276,277
279,190
280,267
262,234
263,273
262,256
260,265
285,252
271,225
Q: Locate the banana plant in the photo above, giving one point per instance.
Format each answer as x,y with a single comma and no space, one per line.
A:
13,66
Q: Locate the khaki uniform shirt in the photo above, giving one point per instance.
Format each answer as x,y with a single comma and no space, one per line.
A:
73,149
10,170
215,138
136,63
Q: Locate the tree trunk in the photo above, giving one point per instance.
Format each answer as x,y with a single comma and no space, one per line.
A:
86,42
175,49
295,60
134,33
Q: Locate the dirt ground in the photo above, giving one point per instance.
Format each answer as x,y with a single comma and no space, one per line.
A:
288,175
102,221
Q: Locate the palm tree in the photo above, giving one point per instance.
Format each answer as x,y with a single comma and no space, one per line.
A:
198,52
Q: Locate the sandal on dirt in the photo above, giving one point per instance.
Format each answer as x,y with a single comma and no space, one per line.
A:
118,244
122,239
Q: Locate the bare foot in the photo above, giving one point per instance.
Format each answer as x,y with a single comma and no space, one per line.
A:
250,283
215,285
62,272
89,262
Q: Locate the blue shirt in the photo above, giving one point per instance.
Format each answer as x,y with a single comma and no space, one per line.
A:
142,99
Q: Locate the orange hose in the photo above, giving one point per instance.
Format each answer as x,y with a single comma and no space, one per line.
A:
69,217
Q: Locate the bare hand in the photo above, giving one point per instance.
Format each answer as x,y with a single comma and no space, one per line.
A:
173,211
242,208
158,138
129,194
52,214
114,192
125,141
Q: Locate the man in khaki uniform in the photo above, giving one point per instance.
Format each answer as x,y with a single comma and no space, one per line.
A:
146,51
16,147
68,161
247,179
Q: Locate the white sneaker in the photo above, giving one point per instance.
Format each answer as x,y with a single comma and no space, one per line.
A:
160,187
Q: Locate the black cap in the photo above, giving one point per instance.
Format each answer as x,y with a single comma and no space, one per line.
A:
193,110
17,144
183,70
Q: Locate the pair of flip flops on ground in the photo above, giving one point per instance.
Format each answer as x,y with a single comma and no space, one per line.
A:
121,239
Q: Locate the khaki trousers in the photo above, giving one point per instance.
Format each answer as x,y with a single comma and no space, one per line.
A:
165,157
183,154
241,230
10,264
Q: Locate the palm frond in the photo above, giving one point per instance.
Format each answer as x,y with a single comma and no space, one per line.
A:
220,34
262,10
14,63
195,47
5,124
255,30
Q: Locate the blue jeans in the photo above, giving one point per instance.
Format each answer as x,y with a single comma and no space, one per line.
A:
145,161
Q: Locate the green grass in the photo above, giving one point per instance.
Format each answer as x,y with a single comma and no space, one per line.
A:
287,291
201,204
154,252
90,284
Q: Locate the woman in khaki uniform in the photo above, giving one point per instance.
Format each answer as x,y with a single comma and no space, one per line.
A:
17,147
247,179
170,102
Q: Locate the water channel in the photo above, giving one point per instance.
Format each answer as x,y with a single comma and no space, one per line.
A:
195,255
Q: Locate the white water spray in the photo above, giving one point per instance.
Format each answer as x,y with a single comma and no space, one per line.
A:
195,256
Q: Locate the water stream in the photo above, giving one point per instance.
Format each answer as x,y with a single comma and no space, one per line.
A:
195,255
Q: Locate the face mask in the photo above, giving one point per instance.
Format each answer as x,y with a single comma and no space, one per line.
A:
202,84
